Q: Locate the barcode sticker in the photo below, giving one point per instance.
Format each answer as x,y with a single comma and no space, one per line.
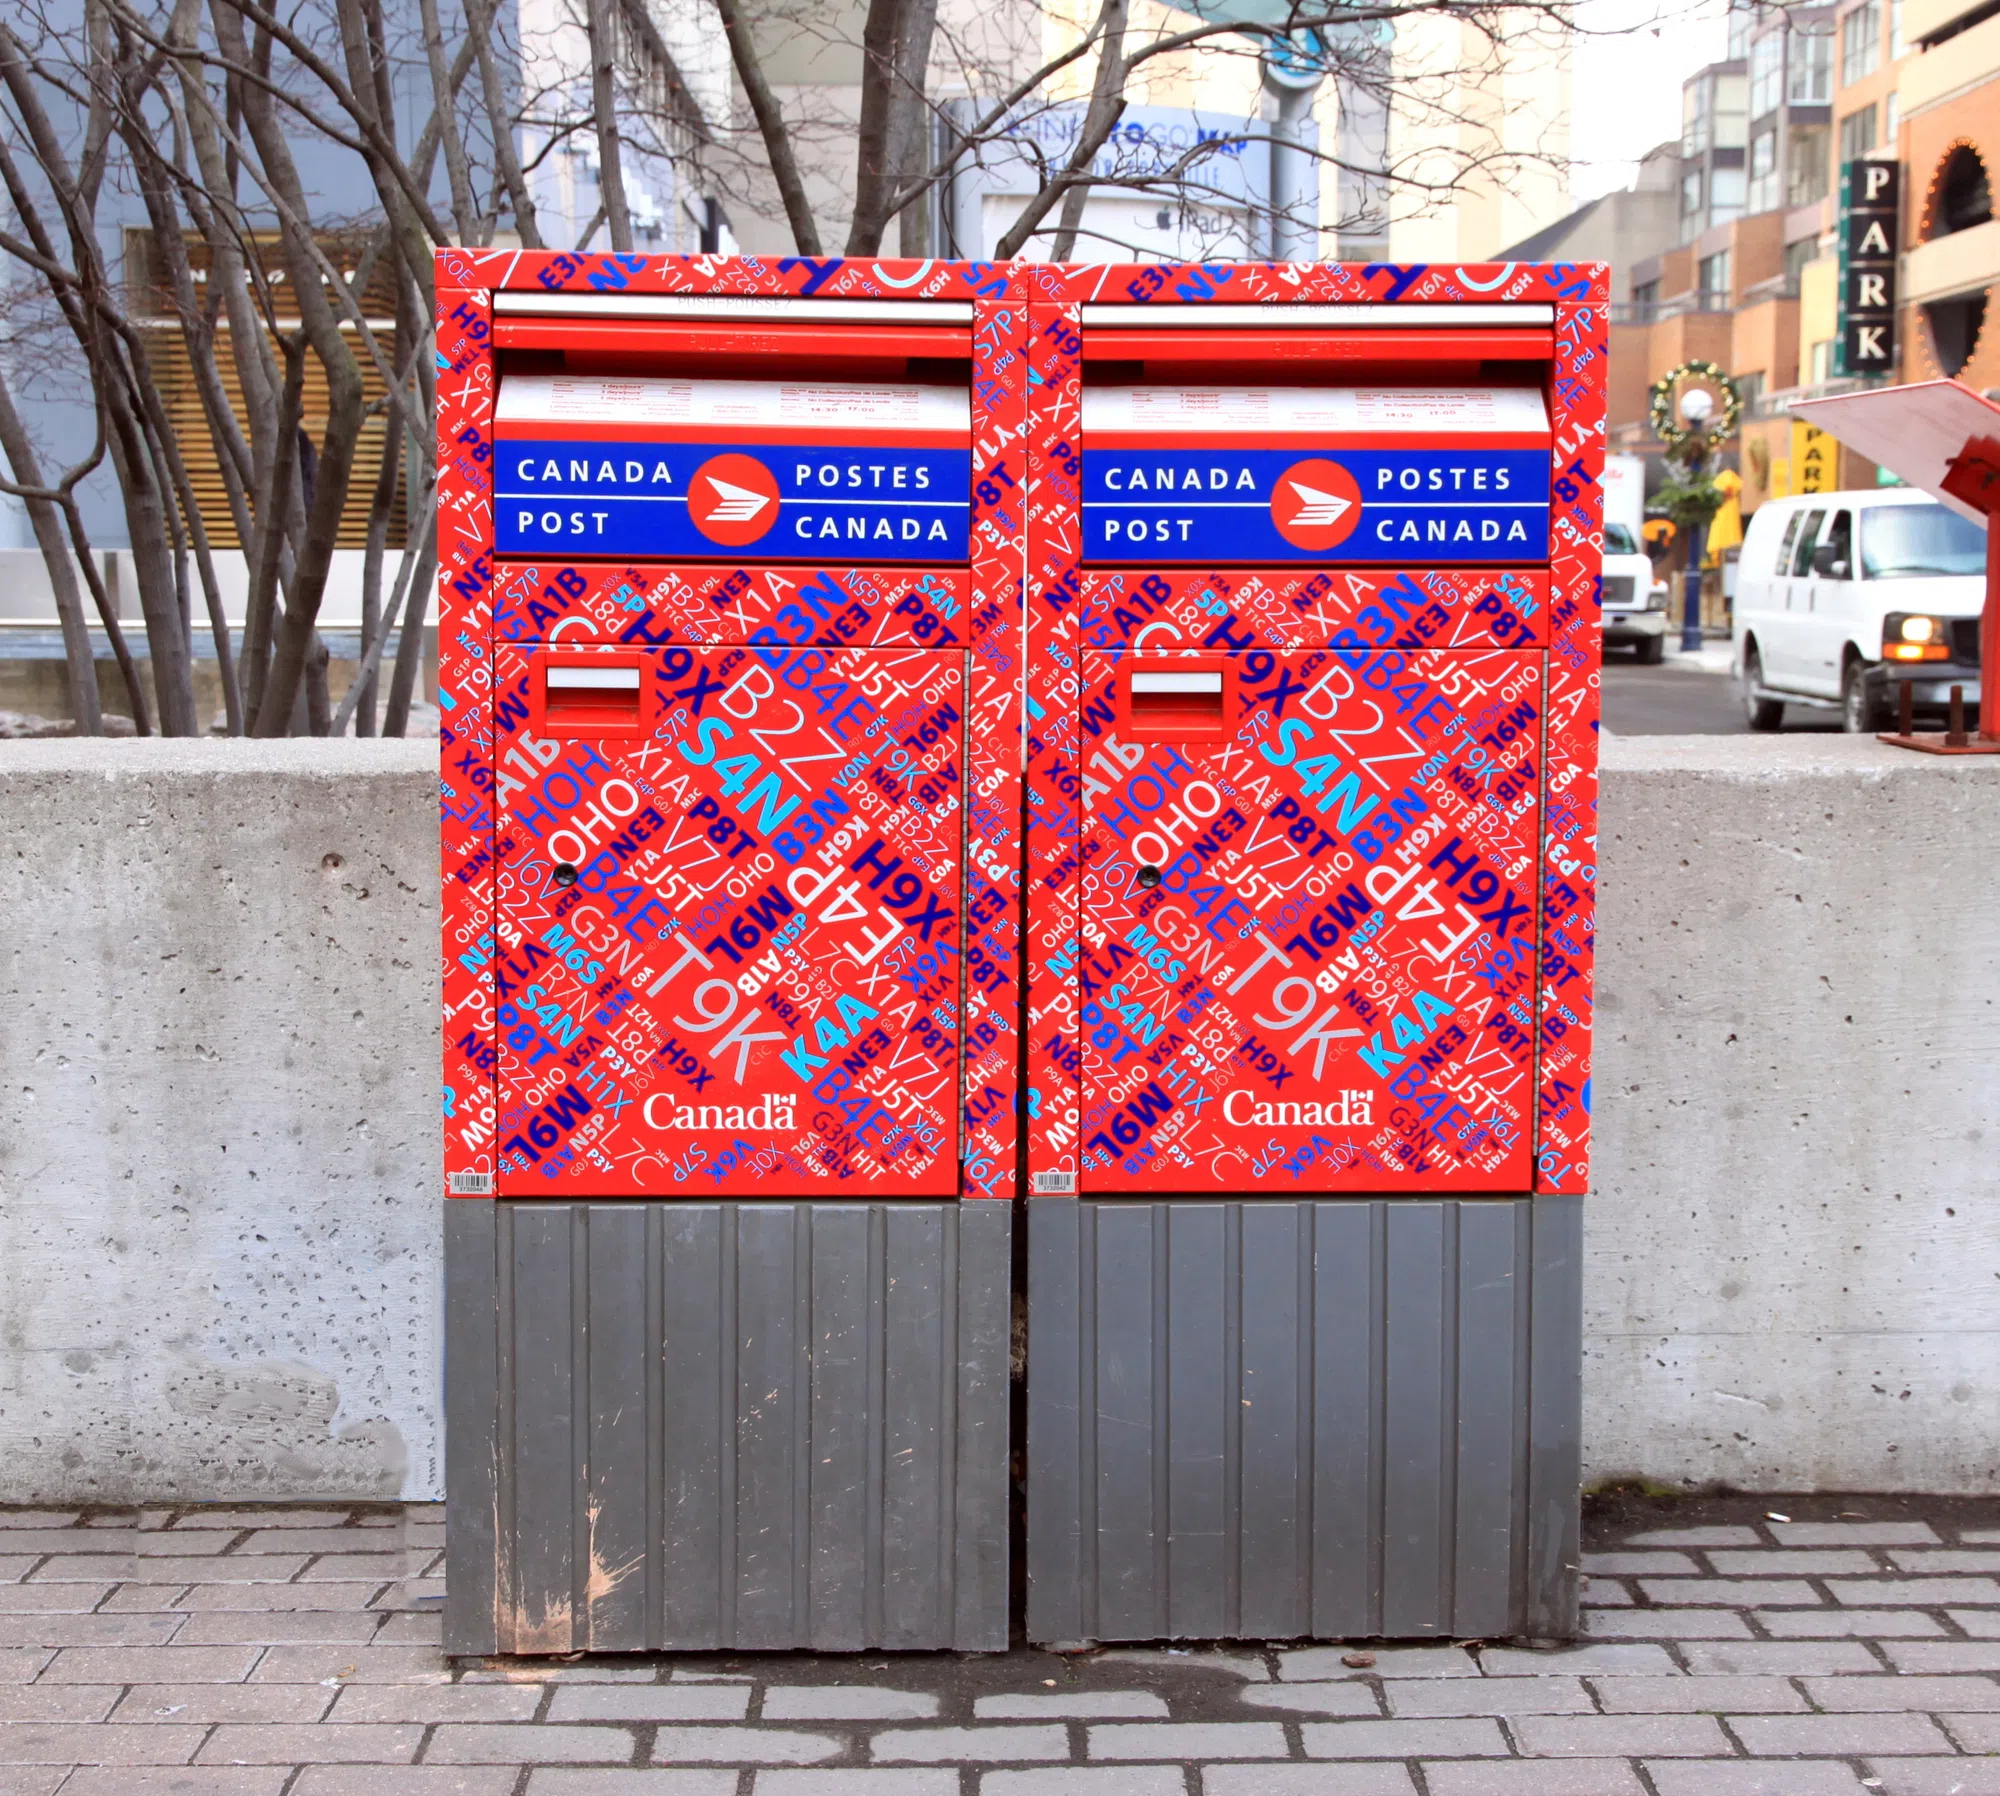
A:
471,1184
1055,1184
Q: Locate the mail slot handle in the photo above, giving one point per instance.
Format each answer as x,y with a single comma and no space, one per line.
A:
593,699
1176,701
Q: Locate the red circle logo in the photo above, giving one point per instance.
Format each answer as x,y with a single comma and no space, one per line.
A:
733,499
1315,505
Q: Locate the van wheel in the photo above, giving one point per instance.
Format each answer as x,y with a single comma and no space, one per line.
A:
1859,711
1651,652
1759,712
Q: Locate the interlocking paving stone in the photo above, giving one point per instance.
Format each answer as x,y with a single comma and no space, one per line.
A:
1700,1696
1941,1655
1796,1563
1185,1740
844,1780
942,1745
1633,1565
149,1599
65,1702
1807,1624
540,1671
1316,1662
1832,1736
319,1540
1355,1697
209,1780
1980,1537
350,1665
356,1567
1936,1777
106,1743
279,1627
1491,1696
236,1520
407,1780
1778,1658
1974,1733
1672,1624
1730,1536
325,1744
428,1702
649,1702
846,1702
1080,1780
1542,1777
87,1630
1793,1593
1473,1737
1981,1624
1855,1534
151,1665
1077,1705
1771,1777
1884,1693
1606,1593
1612,1736
33,1780
1922,1592
37,1518
478,1744
270,1568
562,1781
1937,1559
1358,1779
278,1597
13,1567
19,1665
1248,1666
1614,1659
67,1540
745,1746
52,1599
222,1702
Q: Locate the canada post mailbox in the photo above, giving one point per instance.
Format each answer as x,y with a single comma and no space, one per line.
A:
1312,709
732,800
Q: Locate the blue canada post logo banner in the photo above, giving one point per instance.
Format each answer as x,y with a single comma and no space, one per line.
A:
696,470
1317,475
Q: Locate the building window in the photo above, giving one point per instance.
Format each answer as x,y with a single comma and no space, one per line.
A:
1695,99
1805,165
1797,255
1767,72
1764,172
1749,389
1895,29
1822,362
1891,117
1962,196
1691,193
1857,135
1645,301
1725,195
1860,42
1713,274
1809,81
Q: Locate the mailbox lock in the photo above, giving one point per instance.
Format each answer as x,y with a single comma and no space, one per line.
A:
565,874
1149,877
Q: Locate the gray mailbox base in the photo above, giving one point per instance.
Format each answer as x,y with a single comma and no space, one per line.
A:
686,1426
1333,1420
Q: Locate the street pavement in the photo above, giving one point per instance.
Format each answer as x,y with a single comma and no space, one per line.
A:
1812,1646
1686,695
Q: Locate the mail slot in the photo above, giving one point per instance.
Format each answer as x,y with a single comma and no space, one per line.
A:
1214,475
592,466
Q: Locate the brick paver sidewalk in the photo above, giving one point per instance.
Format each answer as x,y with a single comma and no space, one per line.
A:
1848,1647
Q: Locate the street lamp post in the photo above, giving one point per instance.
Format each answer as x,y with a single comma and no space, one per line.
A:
1696,408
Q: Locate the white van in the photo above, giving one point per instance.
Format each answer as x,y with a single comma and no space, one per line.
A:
1842,596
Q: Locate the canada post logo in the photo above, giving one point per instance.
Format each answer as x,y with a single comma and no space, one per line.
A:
734,500
1315,505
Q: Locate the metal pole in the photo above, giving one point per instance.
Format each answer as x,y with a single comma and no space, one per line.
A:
1691,596
1989,637
1294,181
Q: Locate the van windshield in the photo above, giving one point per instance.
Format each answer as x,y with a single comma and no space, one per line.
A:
1618,540
1901,541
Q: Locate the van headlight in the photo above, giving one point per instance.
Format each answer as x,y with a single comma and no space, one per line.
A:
1915,636
1656,596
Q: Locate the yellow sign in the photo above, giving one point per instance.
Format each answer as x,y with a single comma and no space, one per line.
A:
1813,459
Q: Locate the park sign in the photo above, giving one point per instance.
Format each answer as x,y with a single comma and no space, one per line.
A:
1870,194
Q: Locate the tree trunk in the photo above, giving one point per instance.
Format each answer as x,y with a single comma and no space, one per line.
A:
604,110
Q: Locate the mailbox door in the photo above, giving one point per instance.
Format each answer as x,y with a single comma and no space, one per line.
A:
727,950
1308,920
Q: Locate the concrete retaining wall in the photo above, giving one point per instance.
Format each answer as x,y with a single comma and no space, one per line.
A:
219,1258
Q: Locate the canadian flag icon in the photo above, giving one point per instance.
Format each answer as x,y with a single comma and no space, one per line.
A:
733,499
1315,505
